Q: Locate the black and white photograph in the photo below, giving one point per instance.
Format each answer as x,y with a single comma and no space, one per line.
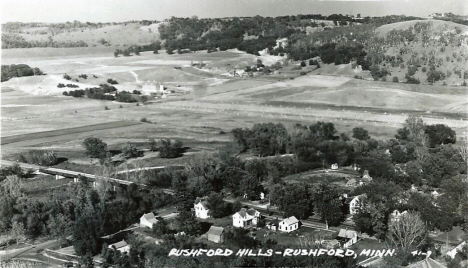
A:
234,133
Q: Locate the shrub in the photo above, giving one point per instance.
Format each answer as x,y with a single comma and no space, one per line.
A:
66,76
130,151
84,76
303,73
303,64
136,92
95,147
112,81
411,80
144,120
464,84
424,69
120,106
39,157
153,146
395,79
65,93
170,150
60,85
106,108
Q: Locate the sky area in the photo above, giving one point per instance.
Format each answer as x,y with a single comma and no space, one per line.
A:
126,10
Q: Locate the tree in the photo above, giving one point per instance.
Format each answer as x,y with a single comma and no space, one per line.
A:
17,231
442,163
160,228
153,146
130,151
232,177
251,187
12,186
371,218
408,232
328,204
188,223
95,148
292,200
257,168
167,149
217,205
416,127
88,229
440,134
268,139
360,134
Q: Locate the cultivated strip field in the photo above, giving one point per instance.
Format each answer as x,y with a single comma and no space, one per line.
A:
68,131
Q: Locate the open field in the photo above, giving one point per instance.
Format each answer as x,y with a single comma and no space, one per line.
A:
67,131
213,103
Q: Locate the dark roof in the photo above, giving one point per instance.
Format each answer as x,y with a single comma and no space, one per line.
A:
243,212
274,222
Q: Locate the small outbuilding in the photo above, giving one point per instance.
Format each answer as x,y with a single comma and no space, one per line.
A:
349,237
216,234
273,225
121,246
289,224
148,220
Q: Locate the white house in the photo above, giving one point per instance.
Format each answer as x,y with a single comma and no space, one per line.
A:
147,220
121,246
355,204
273,225
366,178
435,194
289,224
201,208
262,196
396,215
245,218
455,250
348,236
351,183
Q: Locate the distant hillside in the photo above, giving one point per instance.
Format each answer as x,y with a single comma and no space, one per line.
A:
427,50
78,35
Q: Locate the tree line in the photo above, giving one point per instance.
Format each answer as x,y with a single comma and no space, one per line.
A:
18,70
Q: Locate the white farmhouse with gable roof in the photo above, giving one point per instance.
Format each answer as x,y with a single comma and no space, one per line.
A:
201,208
245,218
355,204
289,224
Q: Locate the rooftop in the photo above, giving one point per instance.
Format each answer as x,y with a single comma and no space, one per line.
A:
290,220
118,245
215,230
